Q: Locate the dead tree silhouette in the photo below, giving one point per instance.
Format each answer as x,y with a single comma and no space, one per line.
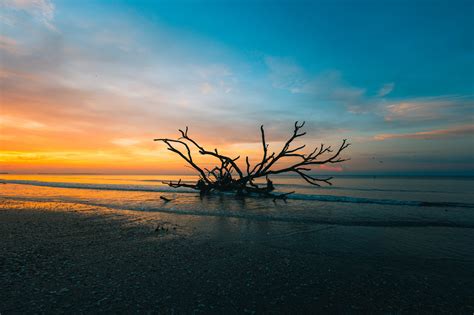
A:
229,177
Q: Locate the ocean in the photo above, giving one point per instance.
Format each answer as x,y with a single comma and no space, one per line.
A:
392,201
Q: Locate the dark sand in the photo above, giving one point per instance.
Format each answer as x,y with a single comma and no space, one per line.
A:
60,258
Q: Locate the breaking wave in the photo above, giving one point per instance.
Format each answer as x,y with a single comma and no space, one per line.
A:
304,197
280,217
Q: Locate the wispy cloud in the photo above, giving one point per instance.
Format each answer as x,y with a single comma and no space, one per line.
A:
285,73
42,10
9,122
212,71
386,89
330,86
103,87
412,111
428,109
431,134
327,86
206,88
8,44
126,142
14,122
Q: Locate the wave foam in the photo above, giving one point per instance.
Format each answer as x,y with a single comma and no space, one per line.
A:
302,197
376,222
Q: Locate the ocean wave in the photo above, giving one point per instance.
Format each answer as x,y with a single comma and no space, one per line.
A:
279,217
302,197
391,202
305,186
119,187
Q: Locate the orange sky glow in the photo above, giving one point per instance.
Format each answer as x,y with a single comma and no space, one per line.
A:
88,93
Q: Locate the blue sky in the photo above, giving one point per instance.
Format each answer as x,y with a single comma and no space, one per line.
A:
395,77
370,41
417,43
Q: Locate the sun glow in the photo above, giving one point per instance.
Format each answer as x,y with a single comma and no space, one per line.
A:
82,92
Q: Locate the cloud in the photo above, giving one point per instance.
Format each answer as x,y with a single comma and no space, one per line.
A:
432,134
386,89
429,109
412,111
285,74
111,87
126,142
330,86
212,71
84,84
8,44
327,86
206,88
14,122
42,10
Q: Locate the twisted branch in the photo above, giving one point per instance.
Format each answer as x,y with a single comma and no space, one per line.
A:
222,177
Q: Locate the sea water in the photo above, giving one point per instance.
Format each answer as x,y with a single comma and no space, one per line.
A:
352,200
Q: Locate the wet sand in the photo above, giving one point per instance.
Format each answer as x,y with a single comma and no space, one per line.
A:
71,258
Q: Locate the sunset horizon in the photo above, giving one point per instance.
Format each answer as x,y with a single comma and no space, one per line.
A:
88,92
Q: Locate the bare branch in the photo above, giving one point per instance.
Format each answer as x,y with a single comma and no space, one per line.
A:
221,177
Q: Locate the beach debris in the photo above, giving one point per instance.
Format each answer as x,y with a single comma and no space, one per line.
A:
165,199
160,228
228,176
165,227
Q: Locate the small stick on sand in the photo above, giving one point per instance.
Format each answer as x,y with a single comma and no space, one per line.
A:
165,199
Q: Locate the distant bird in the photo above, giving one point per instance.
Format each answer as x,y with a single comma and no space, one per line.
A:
165,199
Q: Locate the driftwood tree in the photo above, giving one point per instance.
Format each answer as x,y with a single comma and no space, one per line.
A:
228,175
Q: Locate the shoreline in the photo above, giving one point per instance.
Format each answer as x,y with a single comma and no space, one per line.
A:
78,258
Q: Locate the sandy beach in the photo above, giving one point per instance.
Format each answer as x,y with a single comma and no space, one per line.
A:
70,258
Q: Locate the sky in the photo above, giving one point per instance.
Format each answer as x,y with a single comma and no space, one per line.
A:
85,86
